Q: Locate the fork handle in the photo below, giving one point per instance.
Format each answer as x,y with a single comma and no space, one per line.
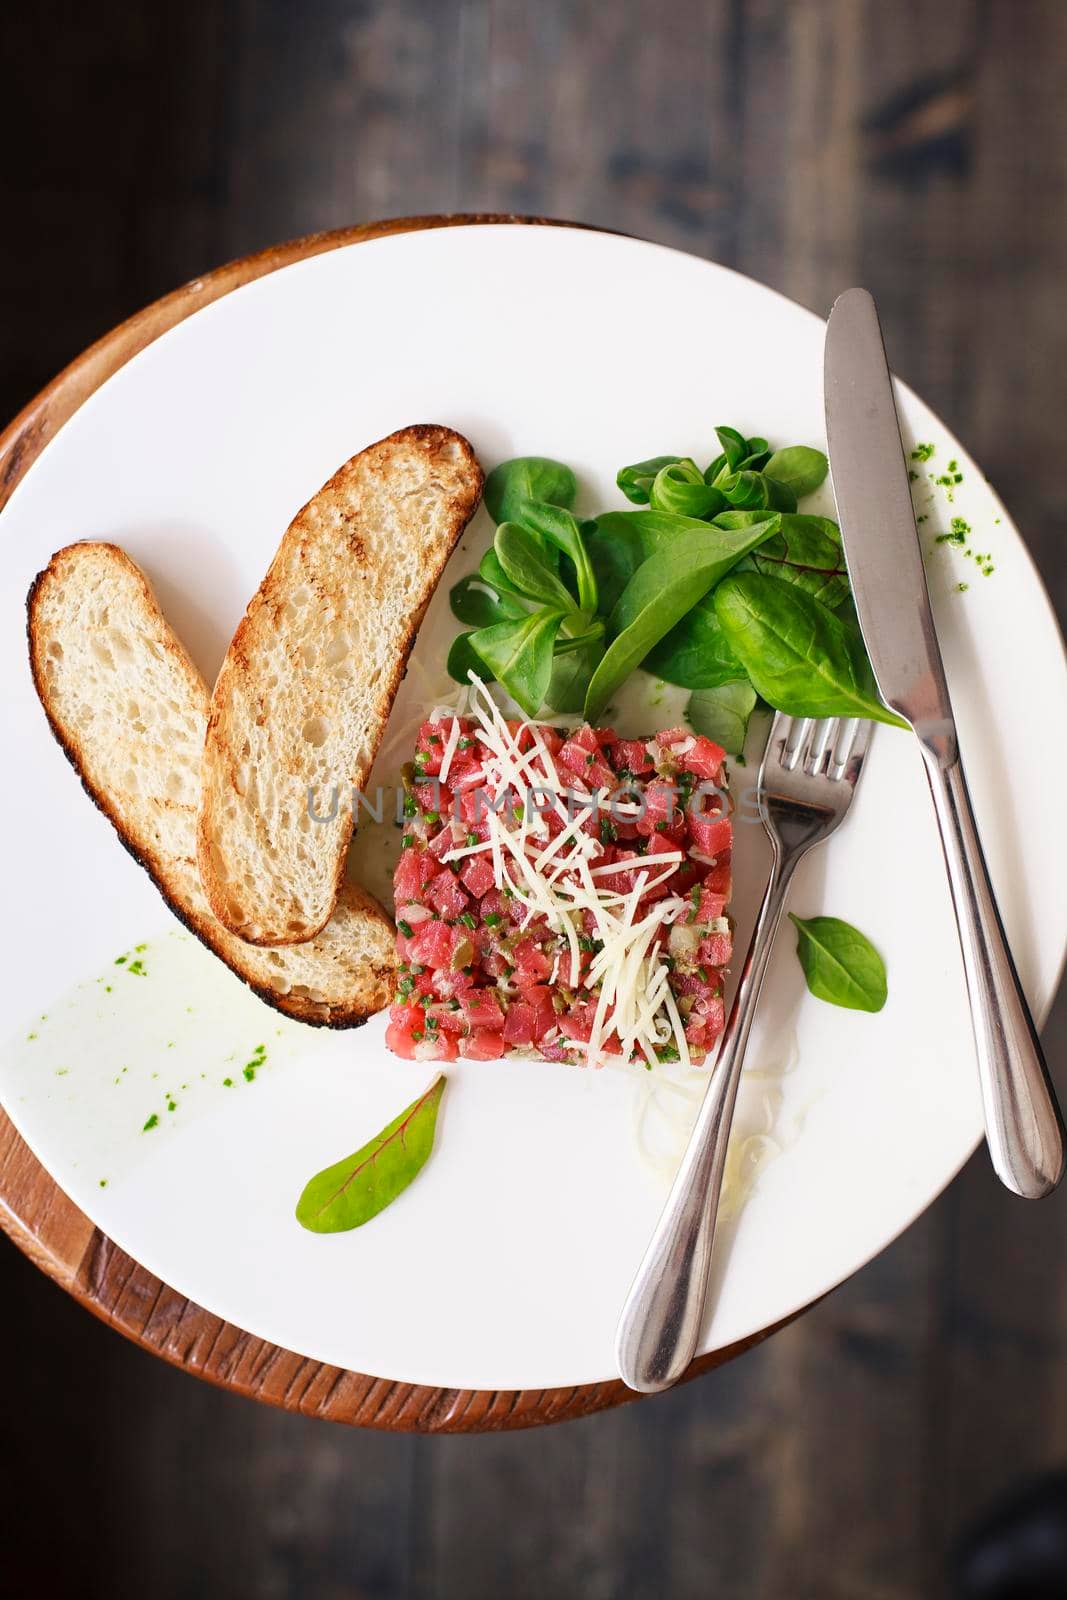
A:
661,1319
1023,1125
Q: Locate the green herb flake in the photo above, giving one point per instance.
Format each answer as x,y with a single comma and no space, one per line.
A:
227,1083
922,452
153,1122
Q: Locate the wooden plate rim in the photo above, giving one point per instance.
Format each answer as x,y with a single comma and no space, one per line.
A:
46,1225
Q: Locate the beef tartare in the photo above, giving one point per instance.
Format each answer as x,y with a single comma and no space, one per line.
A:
560,893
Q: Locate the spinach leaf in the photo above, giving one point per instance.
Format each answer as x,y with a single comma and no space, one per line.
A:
616,549
840,963
354,1190
696,654
512,484
800,657
798,466
620,541
519,553
636,481
699,552
463,659
746,519
680,488
561,529
476,603
658,595
570,676
722,714
807,551
519,655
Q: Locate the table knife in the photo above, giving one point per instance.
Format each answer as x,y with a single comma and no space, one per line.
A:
1024,1129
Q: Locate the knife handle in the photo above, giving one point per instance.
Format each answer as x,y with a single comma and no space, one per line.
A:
1024,1129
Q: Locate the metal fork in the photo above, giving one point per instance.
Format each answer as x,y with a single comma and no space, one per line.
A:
805,786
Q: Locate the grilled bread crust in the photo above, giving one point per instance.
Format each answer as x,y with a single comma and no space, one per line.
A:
302,700
130,710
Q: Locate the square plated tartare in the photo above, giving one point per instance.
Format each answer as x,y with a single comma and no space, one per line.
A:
560,893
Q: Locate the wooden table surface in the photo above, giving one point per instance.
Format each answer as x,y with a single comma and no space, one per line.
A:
915,147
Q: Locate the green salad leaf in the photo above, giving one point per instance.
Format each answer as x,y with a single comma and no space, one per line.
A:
680,487
807,551
799,467
616,550
658,595
722,714
463,659
571,674
619,541
478,604
716,582
513,484
840,963
735,449
699,552
519,552
492,573
560,529
696,654
352,1191
636,481
801,658
519,655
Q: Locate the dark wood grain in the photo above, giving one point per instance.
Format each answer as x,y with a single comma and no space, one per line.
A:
919,148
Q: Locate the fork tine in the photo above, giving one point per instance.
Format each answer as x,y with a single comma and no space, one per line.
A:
822,739
796,737
860,745
846,734
850,750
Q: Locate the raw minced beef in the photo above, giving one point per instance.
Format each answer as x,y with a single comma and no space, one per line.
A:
485,967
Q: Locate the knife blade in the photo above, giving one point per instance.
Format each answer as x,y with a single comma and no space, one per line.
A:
869,473
878,532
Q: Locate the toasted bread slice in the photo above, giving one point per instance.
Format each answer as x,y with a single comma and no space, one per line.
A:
131,710
302,700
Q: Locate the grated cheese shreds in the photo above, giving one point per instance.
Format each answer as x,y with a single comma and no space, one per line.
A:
629,974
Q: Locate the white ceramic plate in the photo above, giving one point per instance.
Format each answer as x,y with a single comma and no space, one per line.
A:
504,1266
